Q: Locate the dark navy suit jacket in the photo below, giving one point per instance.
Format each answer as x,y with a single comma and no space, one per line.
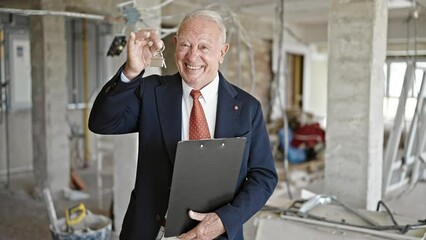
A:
152,106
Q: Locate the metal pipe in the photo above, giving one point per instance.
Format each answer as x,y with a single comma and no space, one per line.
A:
361,229
7,137
28,12
4,87
281,78
327,199
86,94
313,202
74,84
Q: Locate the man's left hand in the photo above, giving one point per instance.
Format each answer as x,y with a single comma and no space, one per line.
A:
210,227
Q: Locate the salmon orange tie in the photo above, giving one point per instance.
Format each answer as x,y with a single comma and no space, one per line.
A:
198,127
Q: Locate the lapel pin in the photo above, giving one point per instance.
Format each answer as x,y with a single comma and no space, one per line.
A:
235,107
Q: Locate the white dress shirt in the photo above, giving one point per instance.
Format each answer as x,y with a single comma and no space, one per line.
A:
208,100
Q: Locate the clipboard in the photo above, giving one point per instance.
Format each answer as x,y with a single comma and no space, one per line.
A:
204,178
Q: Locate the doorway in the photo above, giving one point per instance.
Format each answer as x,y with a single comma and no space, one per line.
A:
295,76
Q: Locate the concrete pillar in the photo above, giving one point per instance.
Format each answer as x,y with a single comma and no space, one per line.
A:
357,49
49,95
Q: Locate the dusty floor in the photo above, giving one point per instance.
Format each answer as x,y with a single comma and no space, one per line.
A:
23,215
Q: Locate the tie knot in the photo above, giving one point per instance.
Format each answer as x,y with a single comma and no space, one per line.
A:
195,94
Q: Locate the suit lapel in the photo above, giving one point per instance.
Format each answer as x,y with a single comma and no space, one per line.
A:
228,110
169,101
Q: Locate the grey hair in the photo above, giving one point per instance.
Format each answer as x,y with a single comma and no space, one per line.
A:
209,15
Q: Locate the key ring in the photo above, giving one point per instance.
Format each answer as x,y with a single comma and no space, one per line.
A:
162,48
158,59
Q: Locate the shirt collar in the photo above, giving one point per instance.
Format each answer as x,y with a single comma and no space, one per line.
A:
208,92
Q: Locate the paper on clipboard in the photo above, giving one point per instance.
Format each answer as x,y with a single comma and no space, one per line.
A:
204,178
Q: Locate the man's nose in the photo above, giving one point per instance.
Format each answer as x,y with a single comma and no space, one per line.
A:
192,53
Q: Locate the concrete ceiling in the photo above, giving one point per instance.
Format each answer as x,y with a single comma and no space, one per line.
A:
307,20
297,11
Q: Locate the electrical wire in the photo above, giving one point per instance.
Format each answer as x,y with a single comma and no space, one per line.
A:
293,211
387,210
242,36
403,229
29,12
281,100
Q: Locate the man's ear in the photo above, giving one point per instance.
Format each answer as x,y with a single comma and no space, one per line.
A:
223,51
174,40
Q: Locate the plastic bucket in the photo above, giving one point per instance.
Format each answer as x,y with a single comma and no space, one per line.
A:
93,227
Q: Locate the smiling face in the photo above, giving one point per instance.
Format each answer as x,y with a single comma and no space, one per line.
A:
200,49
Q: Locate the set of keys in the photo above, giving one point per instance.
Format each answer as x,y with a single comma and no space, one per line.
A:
158,59
119,42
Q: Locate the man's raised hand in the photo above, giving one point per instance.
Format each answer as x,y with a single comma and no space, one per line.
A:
141,47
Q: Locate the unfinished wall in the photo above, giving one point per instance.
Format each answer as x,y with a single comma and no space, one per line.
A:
20,124
238,69
18,143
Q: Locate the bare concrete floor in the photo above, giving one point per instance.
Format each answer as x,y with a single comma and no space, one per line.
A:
23,214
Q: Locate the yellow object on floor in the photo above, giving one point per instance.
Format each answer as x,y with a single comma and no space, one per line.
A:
75,214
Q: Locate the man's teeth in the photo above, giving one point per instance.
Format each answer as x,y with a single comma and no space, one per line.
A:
193,67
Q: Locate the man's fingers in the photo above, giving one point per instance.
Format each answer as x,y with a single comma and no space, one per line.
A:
188,235
142,46
159,46
196,216
151,37
210,226
143,34
132,38
134,41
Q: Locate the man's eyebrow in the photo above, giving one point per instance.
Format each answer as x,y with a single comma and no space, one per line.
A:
180,38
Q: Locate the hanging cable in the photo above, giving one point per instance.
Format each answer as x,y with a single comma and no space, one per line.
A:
280,77
242,37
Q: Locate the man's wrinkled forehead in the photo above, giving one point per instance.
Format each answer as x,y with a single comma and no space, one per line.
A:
204,30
